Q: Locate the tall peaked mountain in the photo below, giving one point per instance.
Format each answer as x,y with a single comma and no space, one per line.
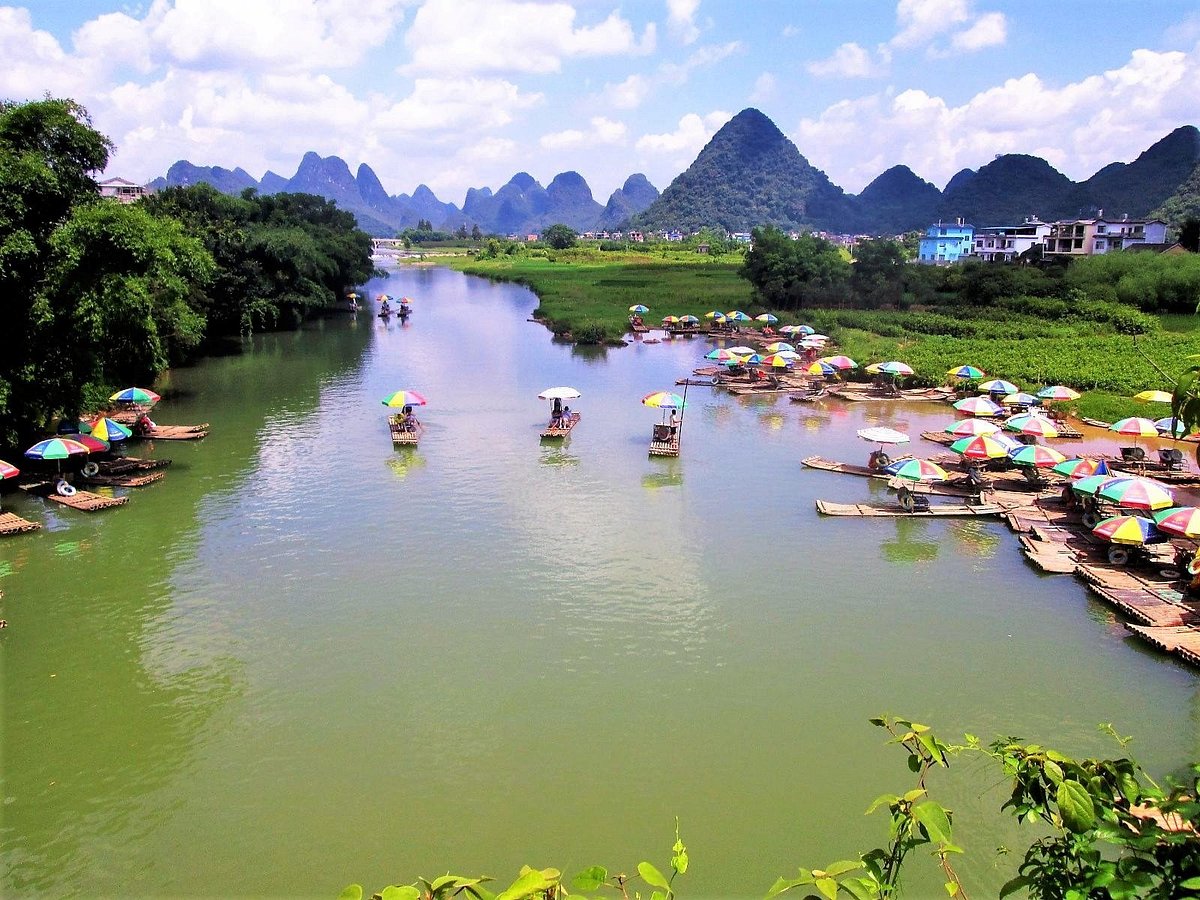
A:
747,175
1140,187
635,195
1006,190
898,200
523,205
184,174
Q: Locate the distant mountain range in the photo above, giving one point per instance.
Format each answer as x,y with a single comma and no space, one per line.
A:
751,174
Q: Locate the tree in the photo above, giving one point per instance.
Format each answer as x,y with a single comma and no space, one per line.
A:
476,234
1189,235
560,236
789,272
461,234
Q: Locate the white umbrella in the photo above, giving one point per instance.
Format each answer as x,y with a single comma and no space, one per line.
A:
883,435
559,393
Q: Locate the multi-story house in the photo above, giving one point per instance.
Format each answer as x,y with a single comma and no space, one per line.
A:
946,243
1091,237
1004,243
122,191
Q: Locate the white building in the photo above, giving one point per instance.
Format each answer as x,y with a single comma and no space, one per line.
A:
1004,243
123,191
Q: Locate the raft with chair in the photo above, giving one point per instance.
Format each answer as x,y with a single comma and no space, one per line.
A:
561,427
896,510
664,441
810,394
84,501
404,435
126,480
173,433
11,523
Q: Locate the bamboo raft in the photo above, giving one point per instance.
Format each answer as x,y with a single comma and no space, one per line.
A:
127,480
11,523
174,433
895,510
914,395
665,441
85,501
831,465
562,430
1180,640
712,381
126,464
404,436
1152,601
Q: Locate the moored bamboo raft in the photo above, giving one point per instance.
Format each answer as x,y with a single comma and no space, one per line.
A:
665,441
126,480
566,423
11,523
939,437
85,501
126,464
1180,640
830,465
895,510
1147,601
174,433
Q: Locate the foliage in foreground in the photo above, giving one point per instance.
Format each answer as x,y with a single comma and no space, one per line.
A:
1107,831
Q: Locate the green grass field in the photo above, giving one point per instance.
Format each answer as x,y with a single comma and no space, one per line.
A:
588,293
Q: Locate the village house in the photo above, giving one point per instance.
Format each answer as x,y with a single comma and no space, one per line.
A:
1004,243
122,191
946,243
1093,237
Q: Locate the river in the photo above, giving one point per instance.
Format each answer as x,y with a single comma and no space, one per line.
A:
306,659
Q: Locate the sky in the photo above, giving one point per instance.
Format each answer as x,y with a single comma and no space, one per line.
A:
466,93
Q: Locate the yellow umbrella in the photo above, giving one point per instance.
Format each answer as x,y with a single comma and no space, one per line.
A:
1153,397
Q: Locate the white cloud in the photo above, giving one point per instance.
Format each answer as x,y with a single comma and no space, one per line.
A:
629,94
1079,126
944,27
989,30
602,132
469,36
689,137
460,104
764,88
848,61
678,73
34,62
562,140
681,20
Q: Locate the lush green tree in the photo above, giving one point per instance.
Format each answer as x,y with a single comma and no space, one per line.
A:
560,236
1189,235
877,278
476,234
791,273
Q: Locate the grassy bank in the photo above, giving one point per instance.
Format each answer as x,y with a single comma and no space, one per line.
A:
588,293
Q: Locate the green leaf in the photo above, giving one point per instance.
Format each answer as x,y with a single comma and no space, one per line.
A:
590,879
679,862
652,876
912,795
1013,885
861,888
842,866
405,892
528,884
828,887
952,888
881,800
1191,883
933,816
351,892
1053,771
786,884
1075,806
914,762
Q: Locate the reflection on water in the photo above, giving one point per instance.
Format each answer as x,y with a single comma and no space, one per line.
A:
269,653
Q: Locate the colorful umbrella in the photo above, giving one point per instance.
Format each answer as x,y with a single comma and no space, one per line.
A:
1136,493
779,345
1081,468
839,362
8,470
1089,484
558,393
108,430
1172,427
968,373
918,470
767,317
663,400
135,395
737,316
999,386
879,435
691,320
873,368
720,354
1134,426
382,298
896,368
639,309
93,443
1131,530
820,368
404,398
1019,398
715,315
971,428
1153,397
750,359
1058,392
56,448
670,320
1036,455
1183,521
977,406
776,361
1037,426
980,447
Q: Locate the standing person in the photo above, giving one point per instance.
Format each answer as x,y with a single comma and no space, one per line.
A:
556,413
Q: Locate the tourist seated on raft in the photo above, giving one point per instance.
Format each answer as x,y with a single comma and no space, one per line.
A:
143,425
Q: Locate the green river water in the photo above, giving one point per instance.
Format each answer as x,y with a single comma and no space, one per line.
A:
306,659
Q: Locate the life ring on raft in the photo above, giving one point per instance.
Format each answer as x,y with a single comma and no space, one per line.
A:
1193,566
1118,556
64,488
91,469
1091,519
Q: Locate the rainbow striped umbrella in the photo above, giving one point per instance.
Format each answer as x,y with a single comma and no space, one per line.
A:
873,369
737,316
841,361
107,430
749,359
690,320
1058,392
980,447
999,386
1182,520
967,373
977,406
721,354
93,443
776,361
767,317
1135,426
1089,484
663,400
1036,455
806,329
820,368
1131,530
894,367
639,309
1171,427
971,428
779,345
135,395
1019,398
8,470
1037,426
715,314
670,320
1136,493
918,470
1082,468
56,448
404,398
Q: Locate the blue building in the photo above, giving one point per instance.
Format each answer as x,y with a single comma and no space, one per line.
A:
946,243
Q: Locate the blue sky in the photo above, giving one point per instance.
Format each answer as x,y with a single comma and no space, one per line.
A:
462,93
